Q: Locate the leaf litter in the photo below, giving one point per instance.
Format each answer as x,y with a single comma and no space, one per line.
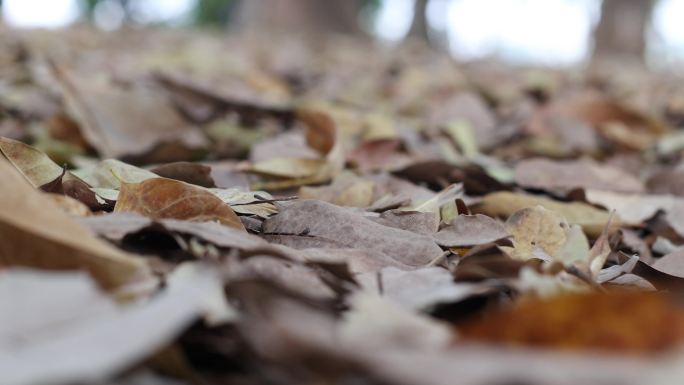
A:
388,218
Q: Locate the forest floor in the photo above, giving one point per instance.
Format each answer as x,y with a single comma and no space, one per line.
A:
189,208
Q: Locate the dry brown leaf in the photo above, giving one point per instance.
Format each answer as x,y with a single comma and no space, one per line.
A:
503,204
159,198
321,132
33,164
471,230
414,221
193,173
419,288
378,155
332,223
69,205
537,233
135,122
45,314
288,167
619,322
563,177
469,108
672,264
345,190
618,123
667,182
375,322
110,173
35,232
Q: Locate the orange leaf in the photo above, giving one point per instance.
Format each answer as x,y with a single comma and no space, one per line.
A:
166,198
635,322
320,133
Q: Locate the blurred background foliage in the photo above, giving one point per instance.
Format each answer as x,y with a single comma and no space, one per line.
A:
540,32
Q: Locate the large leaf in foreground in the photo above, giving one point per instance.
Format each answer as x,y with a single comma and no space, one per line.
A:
44,315
35,232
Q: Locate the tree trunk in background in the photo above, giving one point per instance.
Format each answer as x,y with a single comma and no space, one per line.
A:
309,17
420,29
620,34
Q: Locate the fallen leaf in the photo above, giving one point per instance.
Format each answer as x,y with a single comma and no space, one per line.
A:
45,314
136,122
471,230
69,205
420,288
329,222
536,233
110,173
288,167
193,173
378,155
414,221
159,198
33,164
469,108
504,204
619,322
563,177
376,322
36,233
345,190
672,264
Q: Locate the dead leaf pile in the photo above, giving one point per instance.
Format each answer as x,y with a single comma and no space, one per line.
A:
187,208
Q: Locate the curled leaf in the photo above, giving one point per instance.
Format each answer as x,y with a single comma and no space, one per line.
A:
166,198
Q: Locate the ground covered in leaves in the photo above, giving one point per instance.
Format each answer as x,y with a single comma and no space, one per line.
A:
185,208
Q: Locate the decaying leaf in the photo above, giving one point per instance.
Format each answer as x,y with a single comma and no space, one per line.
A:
69,205
414,221
111,173
420,288
672,264
471,230
565,176
537,233
376,323
165,198
36,233
503,204
322,220
117,121
33,164
323,210
45,314
193,173
624,322
345,190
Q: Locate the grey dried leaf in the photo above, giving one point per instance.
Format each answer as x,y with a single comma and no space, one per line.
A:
324,220
471,230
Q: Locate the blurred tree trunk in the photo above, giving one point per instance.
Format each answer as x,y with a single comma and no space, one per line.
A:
310,17
620,34
420,29
90,6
